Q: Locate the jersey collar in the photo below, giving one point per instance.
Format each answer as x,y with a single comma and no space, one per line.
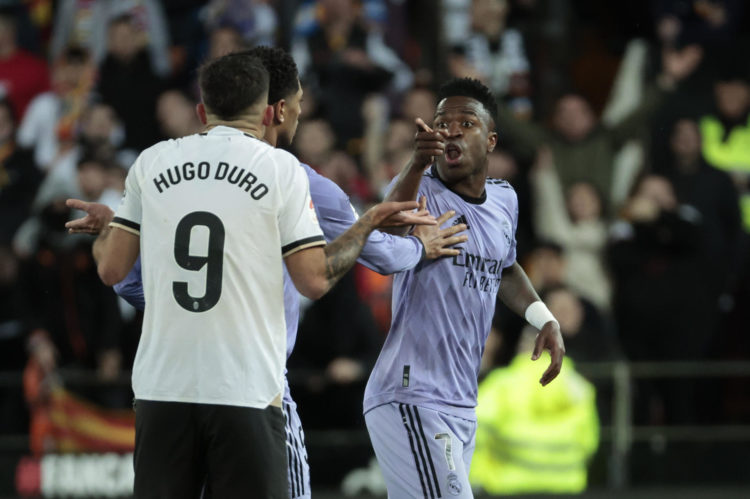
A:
227,131
469,199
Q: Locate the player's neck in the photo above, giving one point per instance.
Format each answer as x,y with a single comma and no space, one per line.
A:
471,186
246,126
271,136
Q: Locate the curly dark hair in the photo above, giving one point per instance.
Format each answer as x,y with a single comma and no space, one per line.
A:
284,77
470,87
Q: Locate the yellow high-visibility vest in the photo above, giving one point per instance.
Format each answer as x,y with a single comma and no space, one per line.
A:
731,155
534,439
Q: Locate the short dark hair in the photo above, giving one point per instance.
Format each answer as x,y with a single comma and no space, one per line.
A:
282,71
470,87
232,83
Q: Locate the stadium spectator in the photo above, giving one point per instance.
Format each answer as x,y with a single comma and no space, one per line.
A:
726,133
495,54
224,40
85,22
532,439
712,193
661,304
91,183
22,75
347,60
49,125
176,115
128,84
100,135
338,338
255,21
583,149
19,177
574,220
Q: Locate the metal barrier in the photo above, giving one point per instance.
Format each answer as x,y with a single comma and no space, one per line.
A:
622,431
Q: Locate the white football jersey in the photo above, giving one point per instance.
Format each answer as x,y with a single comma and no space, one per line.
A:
215,213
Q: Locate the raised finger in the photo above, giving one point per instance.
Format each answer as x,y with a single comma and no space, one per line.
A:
422,203
77,204
421,125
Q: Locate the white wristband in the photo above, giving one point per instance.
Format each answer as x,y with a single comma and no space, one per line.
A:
537,314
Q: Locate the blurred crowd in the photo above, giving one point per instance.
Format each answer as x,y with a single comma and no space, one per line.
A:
624,128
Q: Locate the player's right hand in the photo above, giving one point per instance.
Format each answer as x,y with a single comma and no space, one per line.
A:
98,216
427,144
398,214
437,242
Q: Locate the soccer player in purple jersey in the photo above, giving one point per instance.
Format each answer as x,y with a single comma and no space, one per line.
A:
383,253
420,398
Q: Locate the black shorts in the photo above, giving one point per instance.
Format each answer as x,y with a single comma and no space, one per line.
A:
233,451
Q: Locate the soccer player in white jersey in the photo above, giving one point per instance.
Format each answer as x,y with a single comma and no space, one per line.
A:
213,214
420,398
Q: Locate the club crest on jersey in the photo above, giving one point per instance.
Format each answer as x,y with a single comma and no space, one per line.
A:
508,232
454,484
461,220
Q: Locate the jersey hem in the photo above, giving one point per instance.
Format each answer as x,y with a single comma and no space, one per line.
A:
207,401
371,403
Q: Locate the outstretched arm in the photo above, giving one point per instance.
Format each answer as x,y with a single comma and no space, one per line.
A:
98,216
518,294
314,271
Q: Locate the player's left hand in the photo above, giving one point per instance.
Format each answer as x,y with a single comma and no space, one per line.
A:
550,338
437,242
98,216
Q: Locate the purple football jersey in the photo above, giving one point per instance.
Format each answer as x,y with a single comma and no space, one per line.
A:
442,309
383,253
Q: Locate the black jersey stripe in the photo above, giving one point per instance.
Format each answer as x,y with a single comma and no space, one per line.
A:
126,223
427,448
420,445
308,241
413,451
290,453
298,475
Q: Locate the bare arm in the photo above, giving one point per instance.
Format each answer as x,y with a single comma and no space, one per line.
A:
115,252
517,293
314,271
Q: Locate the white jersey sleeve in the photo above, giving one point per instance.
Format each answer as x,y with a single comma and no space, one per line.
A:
128,214
298,224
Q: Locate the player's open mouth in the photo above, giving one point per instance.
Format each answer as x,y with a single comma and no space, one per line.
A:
453,154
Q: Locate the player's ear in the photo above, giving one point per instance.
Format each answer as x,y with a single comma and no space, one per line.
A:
279,112
200,110
268,116
491,141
